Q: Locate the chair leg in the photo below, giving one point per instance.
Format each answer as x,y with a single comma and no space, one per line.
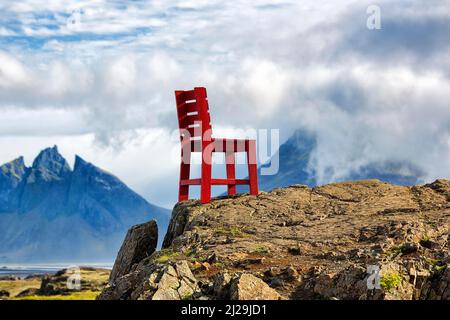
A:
231,173
250,147
205,188
183,192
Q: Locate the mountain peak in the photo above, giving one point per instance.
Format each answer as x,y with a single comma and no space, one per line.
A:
79,162
51,162
54,213
15,168
17,163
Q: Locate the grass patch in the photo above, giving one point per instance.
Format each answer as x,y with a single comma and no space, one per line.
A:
78,295
96,276
219,265
187,297
233,231
425,237
191,253
14,287
395,251
261,249
430,261
439,268
390,281
435,264
195,257
166,255
92,282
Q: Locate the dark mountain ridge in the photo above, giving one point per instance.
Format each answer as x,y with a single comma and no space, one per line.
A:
49,212
294,157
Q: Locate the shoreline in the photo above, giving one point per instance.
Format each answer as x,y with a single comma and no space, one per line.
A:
23,271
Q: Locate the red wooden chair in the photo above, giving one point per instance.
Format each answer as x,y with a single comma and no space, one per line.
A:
196,136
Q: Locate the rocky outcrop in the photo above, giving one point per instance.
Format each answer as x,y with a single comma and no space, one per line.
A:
176,283
171,281
140,242
68,280
249,287
4,294
436,286
350,240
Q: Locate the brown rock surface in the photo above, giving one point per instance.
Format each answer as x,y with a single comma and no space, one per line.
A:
309,243
4,294
140,242
249,287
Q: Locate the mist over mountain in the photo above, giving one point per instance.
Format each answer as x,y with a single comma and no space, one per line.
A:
51,213
295,155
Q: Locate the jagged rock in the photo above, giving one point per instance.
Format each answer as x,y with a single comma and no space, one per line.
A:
9,278
249,287
290,274
294,250
221,286
338,231
35,276
185,273
4,294
440,185
173,281
428,244
133,285
166,294
350,283
176,283
437,286
409,248
176,225
28,292
167,286
140,242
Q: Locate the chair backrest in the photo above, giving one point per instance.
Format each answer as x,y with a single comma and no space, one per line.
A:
193,114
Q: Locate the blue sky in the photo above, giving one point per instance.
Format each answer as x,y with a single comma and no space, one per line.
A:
97,78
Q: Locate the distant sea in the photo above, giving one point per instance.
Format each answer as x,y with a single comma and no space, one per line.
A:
23,271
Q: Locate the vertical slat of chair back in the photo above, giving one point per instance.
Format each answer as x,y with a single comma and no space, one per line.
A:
187,112
193,112
203,111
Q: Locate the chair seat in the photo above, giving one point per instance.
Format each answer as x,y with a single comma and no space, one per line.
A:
216,182
221,144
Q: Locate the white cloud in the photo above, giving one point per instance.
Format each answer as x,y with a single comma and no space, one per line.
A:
369,96
4,32
12,73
